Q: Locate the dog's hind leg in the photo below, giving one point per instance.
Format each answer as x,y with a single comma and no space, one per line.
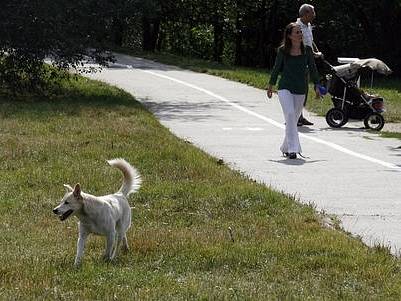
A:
121,239
117,245
125,247
110,245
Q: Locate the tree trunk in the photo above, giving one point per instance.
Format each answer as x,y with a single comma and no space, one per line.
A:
271,29
151,29
218,40
118,32
260,60
238,36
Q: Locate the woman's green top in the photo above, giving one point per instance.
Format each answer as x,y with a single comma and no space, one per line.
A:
293,71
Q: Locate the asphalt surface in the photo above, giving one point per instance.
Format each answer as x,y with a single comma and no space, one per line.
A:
349,172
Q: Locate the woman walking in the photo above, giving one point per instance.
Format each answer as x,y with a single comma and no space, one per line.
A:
293,61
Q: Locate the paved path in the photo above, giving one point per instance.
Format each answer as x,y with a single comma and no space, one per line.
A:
349,172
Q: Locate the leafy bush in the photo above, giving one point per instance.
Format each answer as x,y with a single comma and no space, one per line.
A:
65,31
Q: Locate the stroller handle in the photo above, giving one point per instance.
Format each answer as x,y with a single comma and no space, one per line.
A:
328,64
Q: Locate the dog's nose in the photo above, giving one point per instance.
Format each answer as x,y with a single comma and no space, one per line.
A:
55,211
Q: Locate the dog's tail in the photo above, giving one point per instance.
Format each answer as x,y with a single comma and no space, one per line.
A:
132,179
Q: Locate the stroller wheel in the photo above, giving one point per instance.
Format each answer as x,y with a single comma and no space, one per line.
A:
336,118
374,121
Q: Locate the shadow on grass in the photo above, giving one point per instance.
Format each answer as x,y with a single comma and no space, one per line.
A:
72,101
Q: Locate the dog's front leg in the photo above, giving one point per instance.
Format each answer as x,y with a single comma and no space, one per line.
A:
110,244
80,247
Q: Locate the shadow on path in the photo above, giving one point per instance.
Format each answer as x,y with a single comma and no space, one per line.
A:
184,110
296,162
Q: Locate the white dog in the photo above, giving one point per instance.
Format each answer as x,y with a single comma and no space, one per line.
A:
108,215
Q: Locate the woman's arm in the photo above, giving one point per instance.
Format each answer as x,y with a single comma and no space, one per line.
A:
278,66
270,91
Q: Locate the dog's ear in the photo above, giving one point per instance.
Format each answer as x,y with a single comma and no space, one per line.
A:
77,192
68,188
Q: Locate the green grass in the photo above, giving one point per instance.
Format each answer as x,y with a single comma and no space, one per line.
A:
390,135
389,88
181,247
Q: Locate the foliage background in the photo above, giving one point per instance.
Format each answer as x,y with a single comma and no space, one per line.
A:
235,32
247,32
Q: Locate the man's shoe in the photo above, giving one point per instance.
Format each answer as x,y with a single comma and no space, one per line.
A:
292,155
306,122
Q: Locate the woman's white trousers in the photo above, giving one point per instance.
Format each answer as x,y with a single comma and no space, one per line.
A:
291,105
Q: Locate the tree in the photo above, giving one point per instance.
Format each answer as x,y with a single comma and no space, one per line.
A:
66,31
360,29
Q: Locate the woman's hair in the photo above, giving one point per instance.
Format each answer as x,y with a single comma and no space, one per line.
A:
286,43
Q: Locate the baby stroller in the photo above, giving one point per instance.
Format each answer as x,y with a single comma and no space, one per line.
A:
350,102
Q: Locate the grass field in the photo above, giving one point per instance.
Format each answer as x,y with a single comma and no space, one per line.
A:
387,87
181,245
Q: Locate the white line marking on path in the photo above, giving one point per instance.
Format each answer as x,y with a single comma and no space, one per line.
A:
254,129
277,124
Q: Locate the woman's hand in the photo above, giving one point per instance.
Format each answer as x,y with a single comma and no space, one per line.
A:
269,91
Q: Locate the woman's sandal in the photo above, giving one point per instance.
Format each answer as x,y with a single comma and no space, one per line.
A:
290,155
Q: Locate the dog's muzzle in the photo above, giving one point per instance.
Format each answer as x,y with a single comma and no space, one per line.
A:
63,216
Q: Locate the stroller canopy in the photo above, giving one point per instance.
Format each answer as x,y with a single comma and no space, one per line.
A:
374,64
345,71
351,70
